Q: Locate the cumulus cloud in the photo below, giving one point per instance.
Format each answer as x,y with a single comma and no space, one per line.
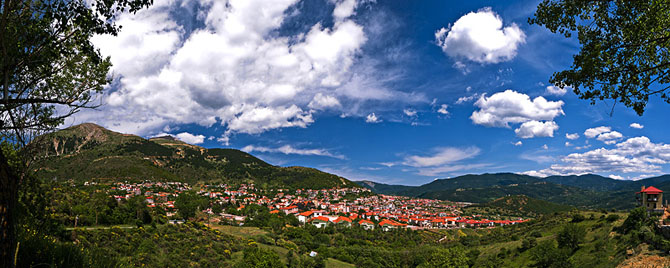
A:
568,144
532,129
604,134
465,99
443,109
503,108
320,102
572,136
636,125
558,91
480,37
288,149
518,143
609,137
593,132
372,118
635,155
190,138
235,70
441,156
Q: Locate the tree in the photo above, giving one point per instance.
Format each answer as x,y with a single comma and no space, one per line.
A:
49,70
625,48
571,236
635,220
188,203
447,257
547,255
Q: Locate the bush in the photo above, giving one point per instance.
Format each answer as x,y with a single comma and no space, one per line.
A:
546,255
528,243
612,218
577,217
571,236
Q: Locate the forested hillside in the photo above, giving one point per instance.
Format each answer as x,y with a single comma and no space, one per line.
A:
90,152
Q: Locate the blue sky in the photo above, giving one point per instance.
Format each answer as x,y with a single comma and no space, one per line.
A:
398,92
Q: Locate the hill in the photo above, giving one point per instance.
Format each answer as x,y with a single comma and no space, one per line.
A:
584,191
471,181
88,151
382,188
525,206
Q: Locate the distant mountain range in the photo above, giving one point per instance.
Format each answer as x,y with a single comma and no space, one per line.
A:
89,151
585,191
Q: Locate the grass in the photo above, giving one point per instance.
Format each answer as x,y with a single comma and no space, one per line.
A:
333,263
239,231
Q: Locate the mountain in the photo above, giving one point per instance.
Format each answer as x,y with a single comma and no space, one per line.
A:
600,183
471,181
589,181
585,191
525,206
89,151
551,192
382,188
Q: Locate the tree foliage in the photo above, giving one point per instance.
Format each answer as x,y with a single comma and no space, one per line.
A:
571,236
625,48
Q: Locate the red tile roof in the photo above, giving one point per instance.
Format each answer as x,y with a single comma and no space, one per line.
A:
320,218
651,190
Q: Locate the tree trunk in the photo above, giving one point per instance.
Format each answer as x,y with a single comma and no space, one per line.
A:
8,192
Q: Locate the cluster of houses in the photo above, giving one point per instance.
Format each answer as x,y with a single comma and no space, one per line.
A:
338,206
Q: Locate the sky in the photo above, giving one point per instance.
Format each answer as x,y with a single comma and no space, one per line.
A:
399,92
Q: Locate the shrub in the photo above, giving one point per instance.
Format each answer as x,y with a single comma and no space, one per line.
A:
612,218
571,236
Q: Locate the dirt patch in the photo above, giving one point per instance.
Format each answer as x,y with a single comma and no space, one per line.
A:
646,261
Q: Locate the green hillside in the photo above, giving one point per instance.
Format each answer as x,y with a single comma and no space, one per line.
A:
382,188
88,151
471,181
522,205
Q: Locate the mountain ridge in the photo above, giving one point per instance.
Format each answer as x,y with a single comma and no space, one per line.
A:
88,151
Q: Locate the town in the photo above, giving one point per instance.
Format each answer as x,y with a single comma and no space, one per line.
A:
343,207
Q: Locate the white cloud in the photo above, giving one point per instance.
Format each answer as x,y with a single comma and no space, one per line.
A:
409,112
558,91
502,108
235,70
288,149
320,102
470,98
609,137
372,118
545,147
532,129
518,143
616,177
480,37
635,155
636,125
441,156
344,9
509,106
443,109
568,144
593,132
572,136
190,138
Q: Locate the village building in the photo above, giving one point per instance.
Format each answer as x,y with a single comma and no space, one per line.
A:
650,198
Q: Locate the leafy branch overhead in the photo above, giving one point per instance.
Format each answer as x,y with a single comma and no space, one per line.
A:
49,69
625,48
